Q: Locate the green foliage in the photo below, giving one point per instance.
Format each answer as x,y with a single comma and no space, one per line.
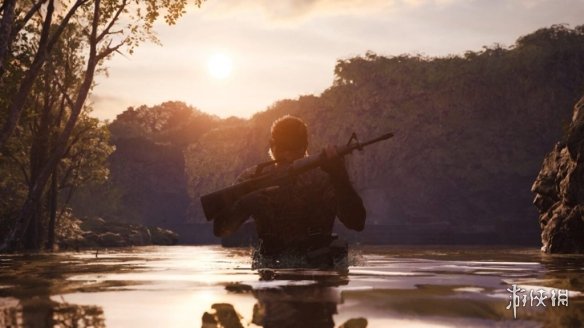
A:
168,123
86,160
48,142
69,227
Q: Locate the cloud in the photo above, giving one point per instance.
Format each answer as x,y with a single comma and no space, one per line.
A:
297,10
107,106
285,48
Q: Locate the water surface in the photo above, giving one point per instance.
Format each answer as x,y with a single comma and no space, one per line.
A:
194,286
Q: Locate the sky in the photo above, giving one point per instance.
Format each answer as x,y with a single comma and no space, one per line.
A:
238,57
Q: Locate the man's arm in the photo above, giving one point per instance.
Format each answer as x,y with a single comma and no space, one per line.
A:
350,209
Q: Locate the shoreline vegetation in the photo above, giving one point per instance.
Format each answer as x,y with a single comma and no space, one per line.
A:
470,131
97,232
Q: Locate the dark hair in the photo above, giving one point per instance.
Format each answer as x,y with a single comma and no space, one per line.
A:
289,133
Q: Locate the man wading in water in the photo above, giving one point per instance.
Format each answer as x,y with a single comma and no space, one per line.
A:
294,221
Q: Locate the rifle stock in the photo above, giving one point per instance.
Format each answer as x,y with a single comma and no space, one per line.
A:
213,203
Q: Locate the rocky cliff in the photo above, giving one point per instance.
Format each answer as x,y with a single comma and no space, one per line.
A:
559,191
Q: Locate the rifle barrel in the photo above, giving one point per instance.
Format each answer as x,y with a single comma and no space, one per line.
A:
383,137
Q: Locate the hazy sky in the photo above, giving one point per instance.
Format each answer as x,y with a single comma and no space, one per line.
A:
281,49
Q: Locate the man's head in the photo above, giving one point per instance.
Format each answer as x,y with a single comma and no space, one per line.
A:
289,139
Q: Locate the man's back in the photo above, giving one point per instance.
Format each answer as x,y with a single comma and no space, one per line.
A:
297,216
294,220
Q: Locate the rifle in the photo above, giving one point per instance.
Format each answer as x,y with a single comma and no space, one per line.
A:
216,201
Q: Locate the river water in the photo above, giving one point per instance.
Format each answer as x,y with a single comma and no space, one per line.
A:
205,286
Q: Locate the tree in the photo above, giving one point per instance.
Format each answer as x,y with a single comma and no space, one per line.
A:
103,28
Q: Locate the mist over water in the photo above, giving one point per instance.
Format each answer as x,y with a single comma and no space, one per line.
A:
193,286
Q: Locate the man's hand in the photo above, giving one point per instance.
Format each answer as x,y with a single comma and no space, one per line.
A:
334,164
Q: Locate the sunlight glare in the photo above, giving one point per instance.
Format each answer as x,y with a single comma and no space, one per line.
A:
219,66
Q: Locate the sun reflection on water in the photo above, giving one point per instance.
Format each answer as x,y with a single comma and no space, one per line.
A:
183,286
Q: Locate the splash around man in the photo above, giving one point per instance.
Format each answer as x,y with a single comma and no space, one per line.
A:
294,220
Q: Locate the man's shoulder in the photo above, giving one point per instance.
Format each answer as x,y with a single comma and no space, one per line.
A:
314,177
255,171
247,174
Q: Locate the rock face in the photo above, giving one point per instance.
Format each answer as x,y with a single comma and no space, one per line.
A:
148,165
559,191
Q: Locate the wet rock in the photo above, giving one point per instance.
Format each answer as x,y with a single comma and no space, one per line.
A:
95,224
110,239
97,232
90,239
140,236
355,323
163,236
237,287
559,191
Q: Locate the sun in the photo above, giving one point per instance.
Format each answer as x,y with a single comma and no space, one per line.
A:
219,66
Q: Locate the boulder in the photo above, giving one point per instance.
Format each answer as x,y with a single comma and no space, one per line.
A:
97,232
559,191
139,236
355,323
110,239
163,236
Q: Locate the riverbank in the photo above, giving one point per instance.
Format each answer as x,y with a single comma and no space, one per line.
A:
99,233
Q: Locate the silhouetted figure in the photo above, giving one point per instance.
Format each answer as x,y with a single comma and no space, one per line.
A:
294,221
